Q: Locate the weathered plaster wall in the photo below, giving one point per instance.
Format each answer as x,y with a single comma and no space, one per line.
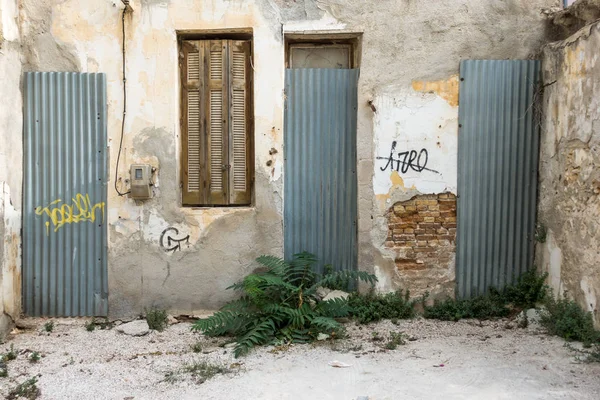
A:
569,205
10,161
408,94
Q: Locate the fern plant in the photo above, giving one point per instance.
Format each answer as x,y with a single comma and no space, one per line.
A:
280,304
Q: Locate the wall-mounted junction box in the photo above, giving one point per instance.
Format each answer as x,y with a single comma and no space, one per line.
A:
141,181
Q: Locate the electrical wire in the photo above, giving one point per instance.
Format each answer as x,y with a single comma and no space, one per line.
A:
124,110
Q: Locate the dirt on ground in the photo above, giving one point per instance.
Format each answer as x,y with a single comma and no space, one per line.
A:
451,360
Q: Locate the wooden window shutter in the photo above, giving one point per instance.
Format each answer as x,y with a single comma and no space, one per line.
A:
192,160
239,122
216,122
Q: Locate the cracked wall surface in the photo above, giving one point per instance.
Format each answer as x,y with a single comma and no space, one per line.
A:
408,103
569,202
10,165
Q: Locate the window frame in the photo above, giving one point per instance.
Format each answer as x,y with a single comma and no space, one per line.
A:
184,37
351,41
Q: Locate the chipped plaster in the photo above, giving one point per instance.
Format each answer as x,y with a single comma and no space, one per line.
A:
569,201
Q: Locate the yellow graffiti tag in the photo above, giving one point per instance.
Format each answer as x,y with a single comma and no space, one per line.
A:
81,210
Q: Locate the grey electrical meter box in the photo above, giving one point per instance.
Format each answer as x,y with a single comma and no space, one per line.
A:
141,181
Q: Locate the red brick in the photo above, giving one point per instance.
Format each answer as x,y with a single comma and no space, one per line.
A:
424,250
425,237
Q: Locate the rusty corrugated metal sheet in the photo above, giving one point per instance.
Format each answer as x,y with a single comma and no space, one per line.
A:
320,195
497,172
64,203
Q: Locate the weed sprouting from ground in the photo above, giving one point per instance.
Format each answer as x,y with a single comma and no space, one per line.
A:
481,307
197,347
396,339
90,326
157,319
200,371
373,307
10,355
529,290
49,326
565,318
203,370
591,355
34,357
26,390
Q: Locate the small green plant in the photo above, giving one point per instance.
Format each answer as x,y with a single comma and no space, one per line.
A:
157,319
344,283
200,371
541,233
49,326
90,326
373,307
480,307
34,357
529,290
3,370
26,390
10,355
396,339
279,303
565,318
197,347
591,355
203,370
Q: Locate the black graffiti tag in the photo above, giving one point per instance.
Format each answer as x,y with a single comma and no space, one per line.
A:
172,244
411,159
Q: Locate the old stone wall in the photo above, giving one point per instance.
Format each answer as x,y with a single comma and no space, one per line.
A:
408,104
569,199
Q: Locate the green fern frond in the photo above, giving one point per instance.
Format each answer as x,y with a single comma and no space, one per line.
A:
344,276
325,324
262,333
217,324
242,305
335,308
275,265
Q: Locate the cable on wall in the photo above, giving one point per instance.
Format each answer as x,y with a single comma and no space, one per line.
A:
127,8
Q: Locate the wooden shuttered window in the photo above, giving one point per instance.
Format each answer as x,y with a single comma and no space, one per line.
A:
216,122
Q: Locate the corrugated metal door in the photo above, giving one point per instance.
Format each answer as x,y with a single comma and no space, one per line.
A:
64,204
320,194
497,172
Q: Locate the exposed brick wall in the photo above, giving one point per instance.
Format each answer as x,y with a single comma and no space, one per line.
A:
422,233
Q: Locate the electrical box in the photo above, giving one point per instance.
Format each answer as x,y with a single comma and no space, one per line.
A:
141,181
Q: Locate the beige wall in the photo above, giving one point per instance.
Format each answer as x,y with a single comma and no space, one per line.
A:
10,165
410,56
569,204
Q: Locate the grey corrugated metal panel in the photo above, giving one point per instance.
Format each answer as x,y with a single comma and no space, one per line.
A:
320,187
65,137
497,173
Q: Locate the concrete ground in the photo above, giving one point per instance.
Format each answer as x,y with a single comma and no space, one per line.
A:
463,360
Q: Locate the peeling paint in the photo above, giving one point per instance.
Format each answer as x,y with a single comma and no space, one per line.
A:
446,89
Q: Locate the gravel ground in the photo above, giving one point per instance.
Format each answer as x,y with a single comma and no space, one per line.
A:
462,360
